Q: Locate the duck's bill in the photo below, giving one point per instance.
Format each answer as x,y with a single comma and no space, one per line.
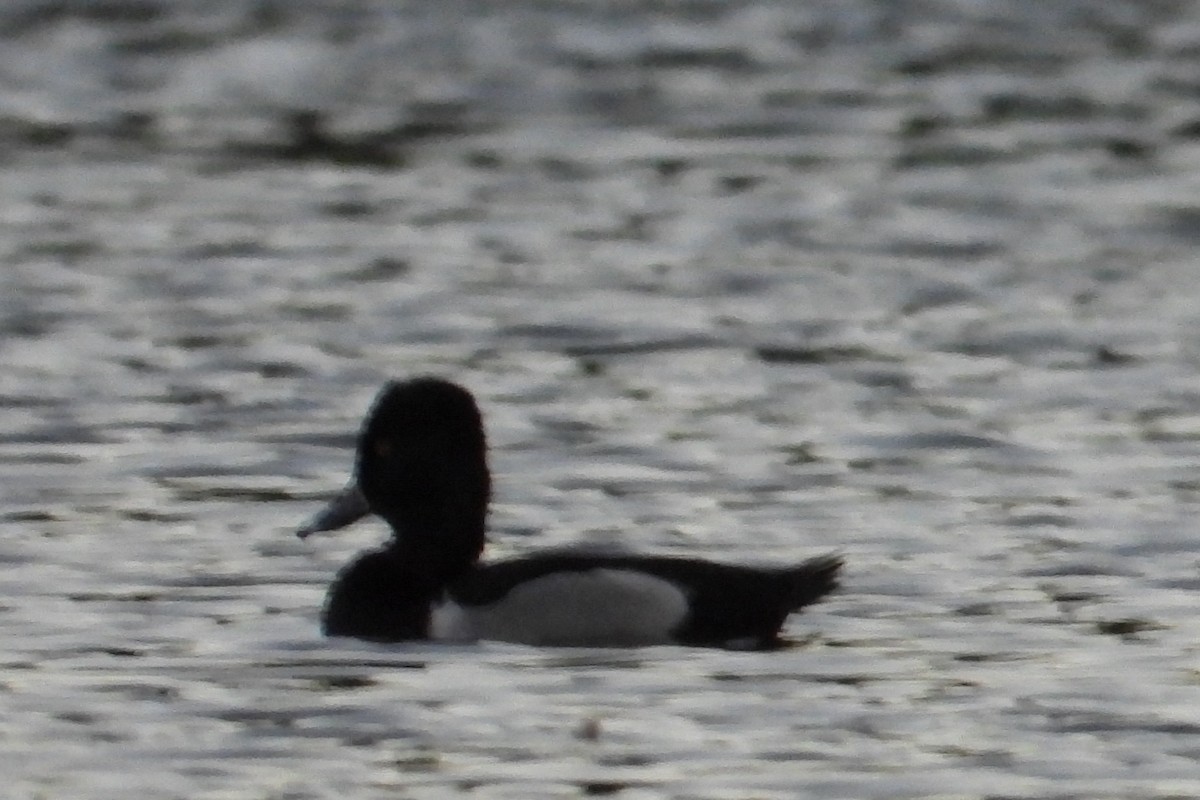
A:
349,506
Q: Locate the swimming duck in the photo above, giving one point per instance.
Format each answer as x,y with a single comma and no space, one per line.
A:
421,465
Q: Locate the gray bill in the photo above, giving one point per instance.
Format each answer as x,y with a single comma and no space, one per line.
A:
349,506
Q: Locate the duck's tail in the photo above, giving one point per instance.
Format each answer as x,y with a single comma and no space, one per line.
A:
813,579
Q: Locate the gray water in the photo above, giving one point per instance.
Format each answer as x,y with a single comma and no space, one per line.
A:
912,281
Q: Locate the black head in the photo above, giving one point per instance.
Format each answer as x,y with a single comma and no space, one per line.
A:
422,467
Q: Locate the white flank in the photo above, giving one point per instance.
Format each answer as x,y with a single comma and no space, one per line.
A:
597,608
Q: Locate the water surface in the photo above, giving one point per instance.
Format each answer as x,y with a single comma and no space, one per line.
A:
914,282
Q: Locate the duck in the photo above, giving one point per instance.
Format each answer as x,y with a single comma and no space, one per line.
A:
421,464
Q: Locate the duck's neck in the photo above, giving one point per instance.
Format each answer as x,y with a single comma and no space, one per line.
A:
440,550
385,595
439,526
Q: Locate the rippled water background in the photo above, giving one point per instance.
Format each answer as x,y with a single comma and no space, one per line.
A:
915,281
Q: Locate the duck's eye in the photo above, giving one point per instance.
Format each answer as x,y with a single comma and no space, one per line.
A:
382,447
